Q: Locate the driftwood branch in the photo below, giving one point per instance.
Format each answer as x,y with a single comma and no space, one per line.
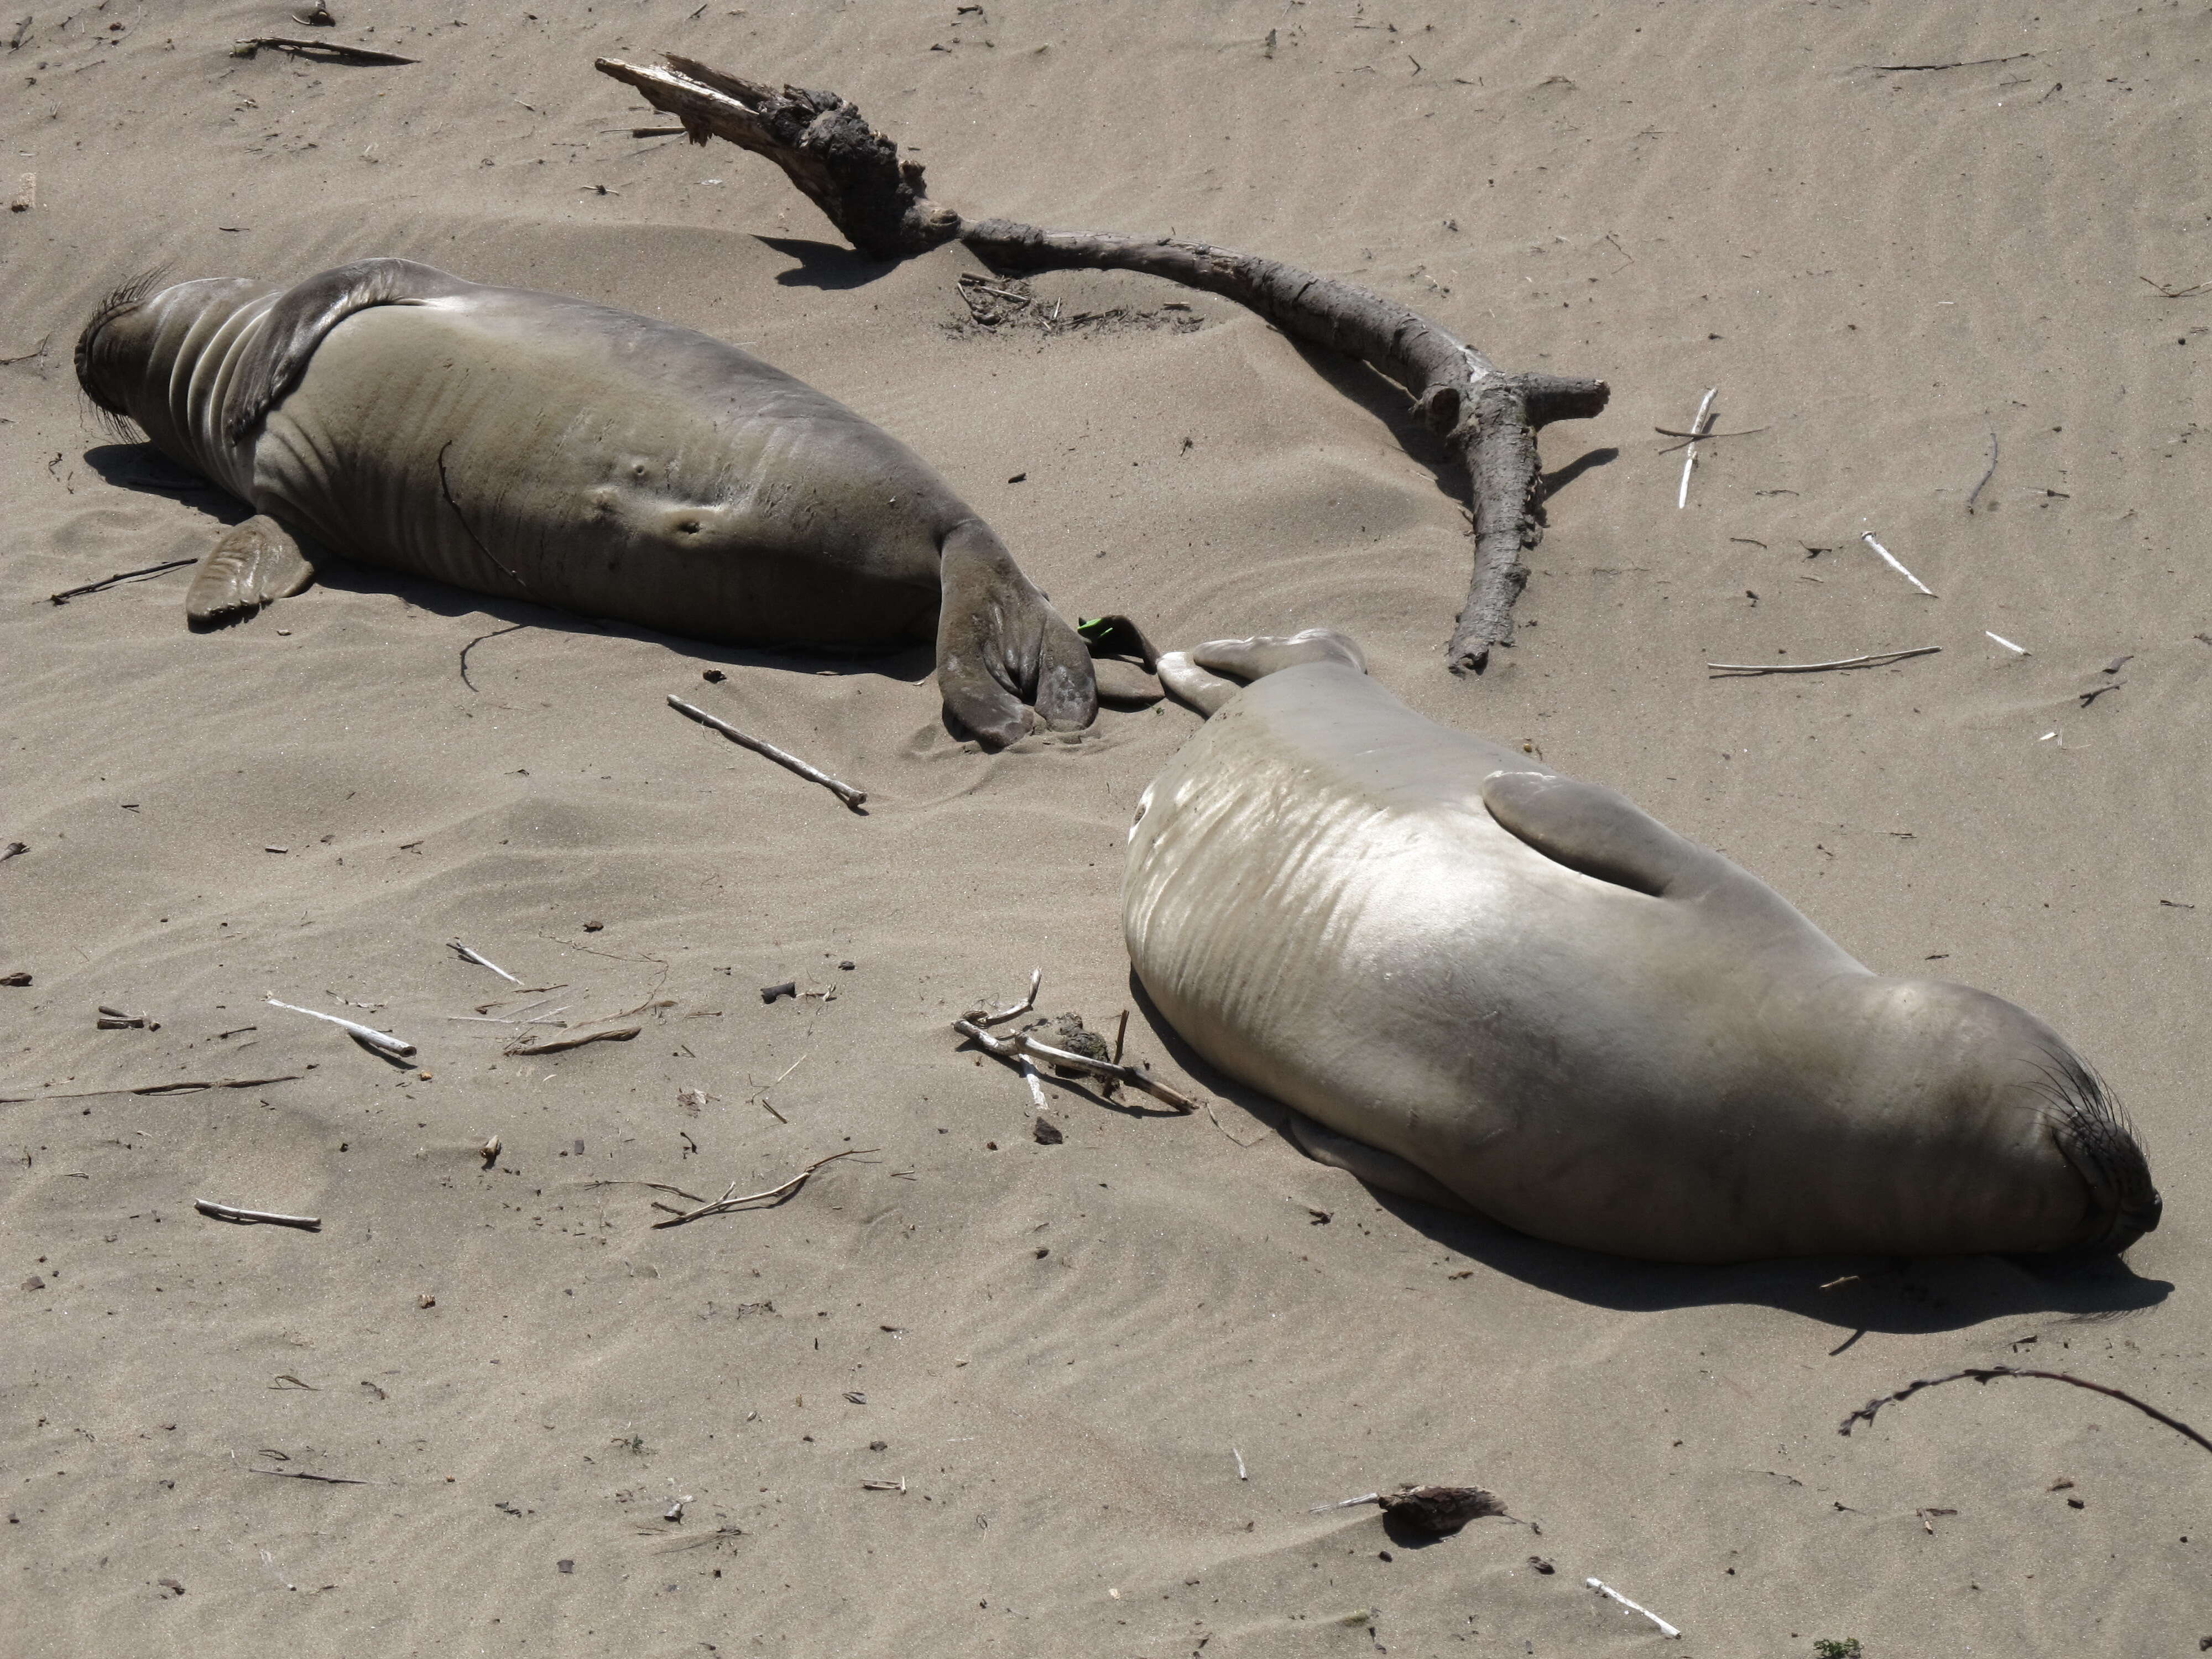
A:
1020,1045
207,1207
727,1202
1487,417
1990,1373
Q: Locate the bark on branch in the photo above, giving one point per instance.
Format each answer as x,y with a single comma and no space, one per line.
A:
1487,417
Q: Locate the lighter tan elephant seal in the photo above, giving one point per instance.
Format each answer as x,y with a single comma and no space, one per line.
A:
541,447
1498,988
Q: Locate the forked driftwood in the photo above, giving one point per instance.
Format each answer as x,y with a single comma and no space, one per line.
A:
727,1202
1990,1373
1018,1046
1488,418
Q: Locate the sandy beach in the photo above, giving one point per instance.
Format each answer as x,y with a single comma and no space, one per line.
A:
964,1392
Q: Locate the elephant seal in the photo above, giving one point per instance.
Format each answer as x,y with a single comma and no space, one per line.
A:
1506,991
541,447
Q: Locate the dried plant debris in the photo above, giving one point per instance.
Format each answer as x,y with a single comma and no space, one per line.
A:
1439,1510
1000,306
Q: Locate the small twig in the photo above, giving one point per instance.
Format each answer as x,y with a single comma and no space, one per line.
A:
323,51
302,1475
1873,659
2166,291
1346,1502
468,955
2017,650
1028,1069
725,1202
68,594
1665,1629
844,792
556,1045
982,1017
657,1185
898,1484
1987,475
38,350
156,1089
1016,1044
1690,450
306,1224
1970,63
383,1041
1121,1031
1701,437
1890,559
1239,1456
477,641
1990,1373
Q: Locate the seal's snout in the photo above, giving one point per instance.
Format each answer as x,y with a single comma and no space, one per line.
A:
2095,1137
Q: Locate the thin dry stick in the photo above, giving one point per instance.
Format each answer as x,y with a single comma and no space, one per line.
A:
468,955
1991,473
302,1475
1891,560
322,52
1690,449
1875,659
2017,650
1016,1044
555,1045
68,594
982,1017
193,1088
306,1224
1990,1373
382,1041
725,1202
1029,1071
1488,418
844,792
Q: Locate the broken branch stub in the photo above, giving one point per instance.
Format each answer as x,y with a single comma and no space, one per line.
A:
1488,418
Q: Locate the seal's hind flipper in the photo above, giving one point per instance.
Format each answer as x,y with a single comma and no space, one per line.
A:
255,563
1000,645
1378,1169
1187,683
1265,653
298,321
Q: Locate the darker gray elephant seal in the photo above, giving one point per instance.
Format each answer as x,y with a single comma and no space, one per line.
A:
547,448
1499,988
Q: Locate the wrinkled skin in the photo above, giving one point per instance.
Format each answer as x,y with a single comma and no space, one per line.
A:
1498,988
547,448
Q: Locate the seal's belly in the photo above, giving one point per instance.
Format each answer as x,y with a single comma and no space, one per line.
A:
646,473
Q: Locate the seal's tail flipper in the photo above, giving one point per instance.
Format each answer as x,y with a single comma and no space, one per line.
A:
1000,645
255,563
1264,653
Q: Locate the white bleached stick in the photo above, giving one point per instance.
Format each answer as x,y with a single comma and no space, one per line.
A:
2017,650
1665,1629
382,1041
468,955
1037,1089
982,1017
844,792
1890,559
1690,450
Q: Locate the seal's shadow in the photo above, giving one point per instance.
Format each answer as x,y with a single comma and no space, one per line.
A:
145,470
1854,1294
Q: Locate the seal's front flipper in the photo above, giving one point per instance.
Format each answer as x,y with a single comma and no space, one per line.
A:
297,323
254,564
1000,645
1601,833
1385,1171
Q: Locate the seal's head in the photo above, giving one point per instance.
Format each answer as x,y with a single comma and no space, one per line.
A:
2041,1158
111,351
